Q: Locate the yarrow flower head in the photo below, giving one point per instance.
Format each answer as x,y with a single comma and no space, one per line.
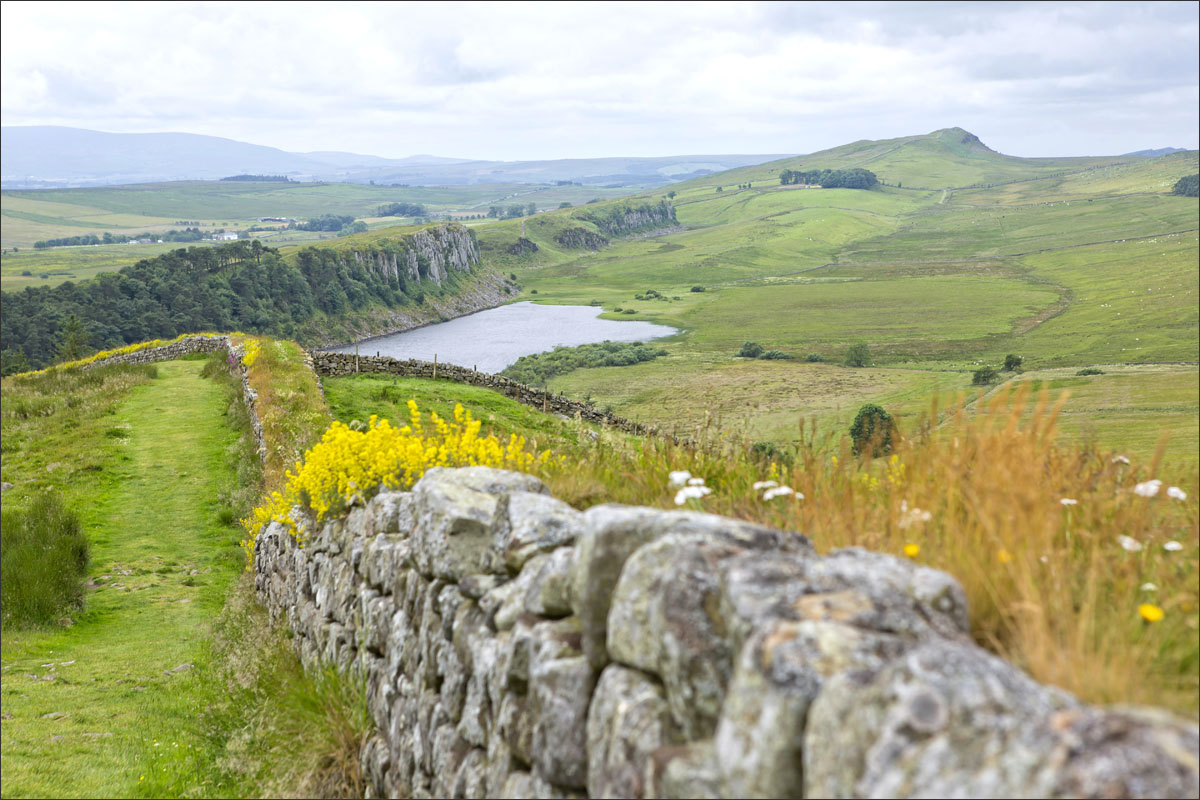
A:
781,491
1147,489
1120,460
1172,546
695,482
1148,587
1129,543
679,478
1176,493
1068,501
691,493
760,485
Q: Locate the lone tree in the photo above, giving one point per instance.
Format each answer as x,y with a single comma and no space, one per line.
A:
871,432
1012,363
859,355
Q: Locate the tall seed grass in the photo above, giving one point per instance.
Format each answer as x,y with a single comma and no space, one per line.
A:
1031,528
43,560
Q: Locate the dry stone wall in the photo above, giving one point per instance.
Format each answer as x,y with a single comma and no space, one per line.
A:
341,364
515,647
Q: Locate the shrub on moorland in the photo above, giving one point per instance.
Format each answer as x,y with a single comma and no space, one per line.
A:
872,430
750,350
43,558
984,376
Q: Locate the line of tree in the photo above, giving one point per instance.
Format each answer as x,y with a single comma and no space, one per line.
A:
325,222
857,178
242,285
537,369
260,178
185,235
512,212
400,210
1188,186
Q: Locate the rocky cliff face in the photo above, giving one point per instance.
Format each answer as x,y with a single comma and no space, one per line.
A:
631,220
430,254
515,647
580,239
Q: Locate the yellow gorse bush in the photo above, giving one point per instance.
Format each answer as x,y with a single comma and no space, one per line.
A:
349,465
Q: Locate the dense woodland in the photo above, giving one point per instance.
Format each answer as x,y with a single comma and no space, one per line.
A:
856,178
239,286
1188,186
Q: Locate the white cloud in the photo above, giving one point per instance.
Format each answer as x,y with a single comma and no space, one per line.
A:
560,80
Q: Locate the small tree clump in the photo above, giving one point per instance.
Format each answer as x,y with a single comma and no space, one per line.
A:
774,355
1012,363
984,376
859,355
697,289
872,430
814,358
750,350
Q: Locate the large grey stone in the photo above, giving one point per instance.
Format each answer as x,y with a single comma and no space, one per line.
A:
628,721
684,771
780,671
560,690
944,720
549,593
454,524
612,533
529,524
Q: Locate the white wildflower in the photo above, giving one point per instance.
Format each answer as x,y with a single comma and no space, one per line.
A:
1172,547
771,494
679,478
912,516
1120,460
1147,489
691,493
1149,587
1177,493
695,482
1067,501
760,485
1129,543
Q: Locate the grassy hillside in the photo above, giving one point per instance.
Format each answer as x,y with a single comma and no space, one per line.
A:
1084,261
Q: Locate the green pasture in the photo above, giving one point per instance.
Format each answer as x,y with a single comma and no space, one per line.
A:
89,708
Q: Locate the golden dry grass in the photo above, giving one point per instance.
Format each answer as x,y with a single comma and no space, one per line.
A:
985,495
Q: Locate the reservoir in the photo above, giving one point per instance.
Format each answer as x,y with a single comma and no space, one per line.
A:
494,339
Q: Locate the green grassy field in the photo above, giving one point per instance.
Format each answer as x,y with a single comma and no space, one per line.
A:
88,707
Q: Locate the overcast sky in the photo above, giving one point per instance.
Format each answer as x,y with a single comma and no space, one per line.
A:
559,80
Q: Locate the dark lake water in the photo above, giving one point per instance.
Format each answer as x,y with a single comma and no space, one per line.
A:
492,340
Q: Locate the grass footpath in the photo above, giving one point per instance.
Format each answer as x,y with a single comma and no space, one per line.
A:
86,707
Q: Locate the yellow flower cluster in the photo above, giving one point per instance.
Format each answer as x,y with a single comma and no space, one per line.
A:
348,465
120,351
252,348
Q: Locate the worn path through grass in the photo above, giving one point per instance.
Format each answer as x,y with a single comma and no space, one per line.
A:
83,706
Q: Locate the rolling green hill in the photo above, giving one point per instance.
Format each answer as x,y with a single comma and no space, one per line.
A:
1076,262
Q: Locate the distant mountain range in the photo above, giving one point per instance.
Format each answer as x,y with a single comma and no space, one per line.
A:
41,156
